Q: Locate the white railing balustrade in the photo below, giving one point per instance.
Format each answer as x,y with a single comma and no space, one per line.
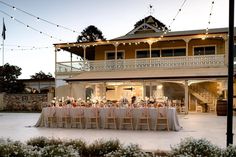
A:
142,63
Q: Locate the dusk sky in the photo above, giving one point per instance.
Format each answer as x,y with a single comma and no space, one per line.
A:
113,18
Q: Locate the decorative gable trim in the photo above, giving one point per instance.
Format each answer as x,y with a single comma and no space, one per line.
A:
143,27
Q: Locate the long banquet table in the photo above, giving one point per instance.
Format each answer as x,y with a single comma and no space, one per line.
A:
119,113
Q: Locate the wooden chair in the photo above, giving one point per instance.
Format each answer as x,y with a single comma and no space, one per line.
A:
51,120
127,120
64,119
78,119
110,119
144,119
93,118
162,118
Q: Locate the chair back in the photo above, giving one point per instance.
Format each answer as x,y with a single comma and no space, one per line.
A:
162,112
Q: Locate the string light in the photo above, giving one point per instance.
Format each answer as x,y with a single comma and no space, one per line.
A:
179,10
209,18
26,49
13,47
28,26
38,18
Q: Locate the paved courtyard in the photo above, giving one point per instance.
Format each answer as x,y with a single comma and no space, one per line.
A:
19,126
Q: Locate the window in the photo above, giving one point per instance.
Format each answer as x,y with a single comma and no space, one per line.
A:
156,53
173,52
208,50
111,55
167,53
146,53
142,54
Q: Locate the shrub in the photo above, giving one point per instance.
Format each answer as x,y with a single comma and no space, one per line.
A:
38,142
59,150
128,151
101,147
230,151
43,141
78,145
190,147
16,149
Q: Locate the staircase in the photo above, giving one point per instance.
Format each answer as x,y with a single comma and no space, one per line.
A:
204,96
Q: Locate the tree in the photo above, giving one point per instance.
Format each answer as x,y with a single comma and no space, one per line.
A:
8,79
90,34
41,75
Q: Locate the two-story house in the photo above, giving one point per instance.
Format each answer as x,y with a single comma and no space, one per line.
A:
184,66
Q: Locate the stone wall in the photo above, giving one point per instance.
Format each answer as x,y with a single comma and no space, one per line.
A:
24,102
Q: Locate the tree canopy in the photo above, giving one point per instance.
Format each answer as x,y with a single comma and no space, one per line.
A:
41,75
8,79
90,34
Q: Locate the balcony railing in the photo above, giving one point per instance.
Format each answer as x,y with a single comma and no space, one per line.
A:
143,63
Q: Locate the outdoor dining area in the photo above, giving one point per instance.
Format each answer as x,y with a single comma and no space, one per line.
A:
109,115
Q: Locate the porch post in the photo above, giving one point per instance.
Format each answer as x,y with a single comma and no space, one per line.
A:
187,41
186,98
104,90
84,47
150,90
150,49
144,90
150,52
70,61
226,50
116,46
55,60
84,58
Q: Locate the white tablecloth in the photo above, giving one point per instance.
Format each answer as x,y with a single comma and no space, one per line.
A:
59,112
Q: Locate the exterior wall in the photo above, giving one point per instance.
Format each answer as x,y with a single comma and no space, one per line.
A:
100,51
24,102
78,90
62,88
130,49
219,43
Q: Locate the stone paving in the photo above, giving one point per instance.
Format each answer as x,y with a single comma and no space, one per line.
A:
19,126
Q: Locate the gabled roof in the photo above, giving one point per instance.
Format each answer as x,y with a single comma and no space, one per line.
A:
148,24
172,34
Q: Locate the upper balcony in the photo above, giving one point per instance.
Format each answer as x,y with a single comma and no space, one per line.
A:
183,62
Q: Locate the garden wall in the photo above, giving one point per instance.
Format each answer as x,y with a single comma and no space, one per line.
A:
23,102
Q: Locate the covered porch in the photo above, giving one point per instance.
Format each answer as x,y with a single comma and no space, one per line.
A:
184,93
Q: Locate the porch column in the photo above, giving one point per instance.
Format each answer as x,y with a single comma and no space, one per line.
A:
226,50
84,47
186,98
55,60
150,49
116,46
187,41
84,58
70,61
104,90
150,42
144,90
150,90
